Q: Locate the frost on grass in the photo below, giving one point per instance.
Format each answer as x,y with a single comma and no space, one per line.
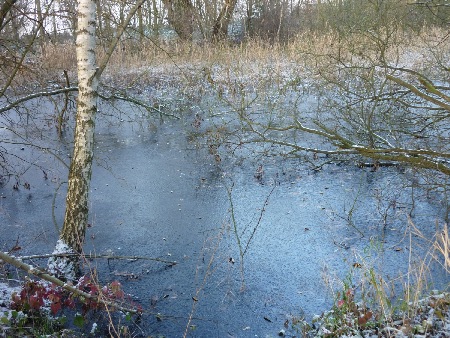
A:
6,315
62,267
5,295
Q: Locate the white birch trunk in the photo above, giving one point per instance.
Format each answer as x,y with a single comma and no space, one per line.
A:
77,210
75,219
76,214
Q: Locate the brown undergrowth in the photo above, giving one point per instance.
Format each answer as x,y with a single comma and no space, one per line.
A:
308,51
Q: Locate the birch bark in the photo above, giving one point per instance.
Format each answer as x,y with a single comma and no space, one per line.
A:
77,209
76,214
75,219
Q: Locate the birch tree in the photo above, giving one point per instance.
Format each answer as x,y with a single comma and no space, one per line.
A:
75,219
80,168
76,213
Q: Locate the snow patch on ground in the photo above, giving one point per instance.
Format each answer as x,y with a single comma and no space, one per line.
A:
6,291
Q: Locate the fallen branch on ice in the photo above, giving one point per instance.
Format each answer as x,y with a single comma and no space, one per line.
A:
49,278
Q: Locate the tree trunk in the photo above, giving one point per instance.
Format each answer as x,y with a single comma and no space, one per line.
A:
220,28
249,20
75,218
140,24
5,8
54,24
108,31
69,9
76,214
16,24
180,14
99,9
155,21
40,21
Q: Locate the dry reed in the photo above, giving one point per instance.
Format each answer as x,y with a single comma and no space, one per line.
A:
252,57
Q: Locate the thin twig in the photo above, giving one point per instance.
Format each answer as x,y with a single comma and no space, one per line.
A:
93,256
259,219
233,220
138,103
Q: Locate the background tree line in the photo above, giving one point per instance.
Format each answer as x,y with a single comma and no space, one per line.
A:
55,20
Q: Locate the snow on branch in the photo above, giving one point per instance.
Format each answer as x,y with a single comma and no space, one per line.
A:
35,95
49,278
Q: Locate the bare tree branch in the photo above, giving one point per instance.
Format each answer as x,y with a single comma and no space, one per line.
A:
36,95
418,92
92,256
49,278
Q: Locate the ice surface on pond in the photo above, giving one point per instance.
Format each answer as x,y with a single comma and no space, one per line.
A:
155,194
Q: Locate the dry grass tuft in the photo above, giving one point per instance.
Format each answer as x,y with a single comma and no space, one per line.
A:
439,245
377,293
442,246
59,57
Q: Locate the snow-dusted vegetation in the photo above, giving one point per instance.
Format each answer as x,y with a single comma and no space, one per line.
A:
285,163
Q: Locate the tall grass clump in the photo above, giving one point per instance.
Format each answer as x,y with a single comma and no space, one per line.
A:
368,301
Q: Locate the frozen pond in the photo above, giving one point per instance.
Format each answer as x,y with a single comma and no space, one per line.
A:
155,193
